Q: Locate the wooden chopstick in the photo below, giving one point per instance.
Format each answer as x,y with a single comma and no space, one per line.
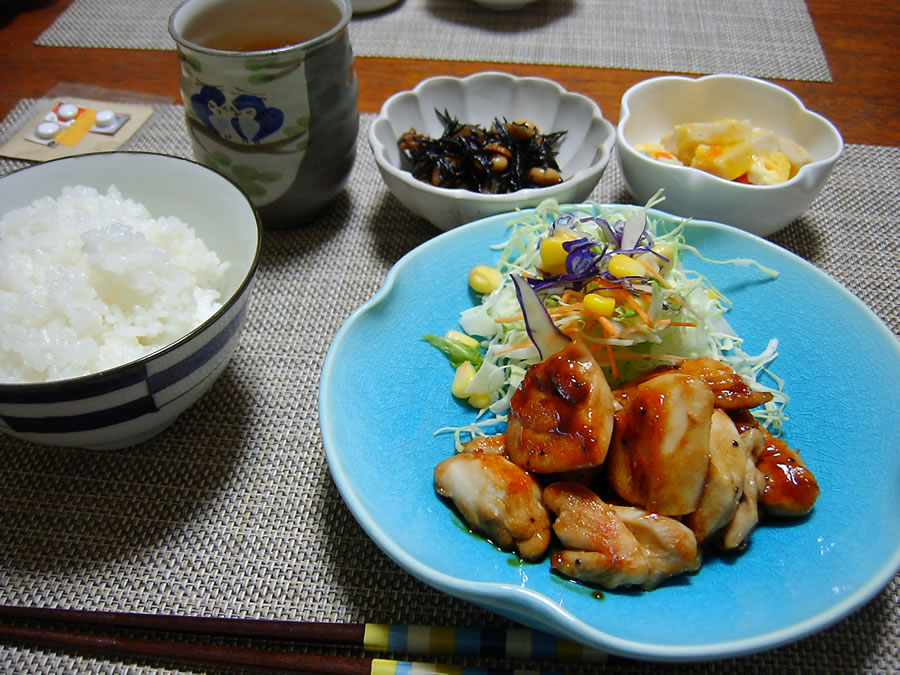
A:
302,631
197,653
519,643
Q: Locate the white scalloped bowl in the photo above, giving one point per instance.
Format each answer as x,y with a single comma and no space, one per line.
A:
653,107
127,404
479,99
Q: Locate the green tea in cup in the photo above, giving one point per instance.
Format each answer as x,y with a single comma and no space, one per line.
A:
270,97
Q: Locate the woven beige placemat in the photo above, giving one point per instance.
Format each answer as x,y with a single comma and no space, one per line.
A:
767,38
232,512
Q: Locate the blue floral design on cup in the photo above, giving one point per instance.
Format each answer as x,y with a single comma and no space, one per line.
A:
246,118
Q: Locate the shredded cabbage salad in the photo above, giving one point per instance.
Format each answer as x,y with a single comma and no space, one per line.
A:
653,310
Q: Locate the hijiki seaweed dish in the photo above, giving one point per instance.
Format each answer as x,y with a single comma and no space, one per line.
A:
507,157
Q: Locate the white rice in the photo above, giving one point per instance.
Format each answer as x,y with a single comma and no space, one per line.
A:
89,281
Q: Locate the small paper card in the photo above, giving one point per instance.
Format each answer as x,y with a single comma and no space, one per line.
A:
72,125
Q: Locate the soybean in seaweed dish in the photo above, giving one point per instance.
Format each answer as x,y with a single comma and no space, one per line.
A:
509,156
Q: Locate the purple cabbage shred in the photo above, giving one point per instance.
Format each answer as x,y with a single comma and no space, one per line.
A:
585,263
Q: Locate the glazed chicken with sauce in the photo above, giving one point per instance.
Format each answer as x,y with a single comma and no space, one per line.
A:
561,417
684,462
724,484
498,499
728,388
659,454
787,486
611,545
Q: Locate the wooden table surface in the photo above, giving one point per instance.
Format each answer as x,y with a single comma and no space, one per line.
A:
860,39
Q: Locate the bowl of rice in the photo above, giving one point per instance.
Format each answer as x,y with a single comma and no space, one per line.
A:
125,279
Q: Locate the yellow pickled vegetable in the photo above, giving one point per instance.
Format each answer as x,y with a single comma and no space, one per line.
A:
656,151
731,149
769,169
725,161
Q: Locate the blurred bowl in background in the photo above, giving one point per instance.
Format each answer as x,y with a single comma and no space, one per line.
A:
583,156
126,404
653,107
504,5
368,6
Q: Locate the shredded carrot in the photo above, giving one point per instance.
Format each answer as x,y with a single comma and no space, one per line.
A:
566,310
608,328
511,348
653,272
571,329
663,323
558,311
636,306
656,357
612,361
634,356
677,299
605,285
569,296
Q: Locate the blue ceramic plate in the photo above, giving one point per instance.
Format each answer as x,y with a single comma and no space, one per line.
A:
385,392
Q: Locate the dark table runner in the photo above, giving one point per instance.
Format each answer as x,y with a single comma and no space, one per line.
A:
767,38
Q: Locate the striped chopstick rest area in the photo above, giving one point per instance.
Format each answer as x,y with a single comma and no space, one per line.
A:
513,643
386,667
510,643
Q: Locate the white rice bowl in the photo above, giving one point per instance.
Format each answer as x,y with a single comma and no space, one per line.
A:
91,280
95,279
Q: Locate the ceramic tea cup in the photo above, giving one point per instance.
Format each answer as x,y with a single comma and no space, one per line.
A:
270,98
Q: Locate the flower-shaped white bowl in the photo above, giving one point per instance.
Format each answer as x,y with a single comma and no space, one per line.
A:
653,107
128,404
480,99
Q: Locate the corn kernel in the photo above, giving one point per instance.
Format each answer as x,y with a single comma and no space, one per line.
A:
621,265
484,279
461,338
599,305
465,373
480,400
664,249
553,255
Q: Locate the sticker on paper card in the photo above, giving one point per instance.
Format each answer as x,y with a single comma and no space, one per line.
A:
68,124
